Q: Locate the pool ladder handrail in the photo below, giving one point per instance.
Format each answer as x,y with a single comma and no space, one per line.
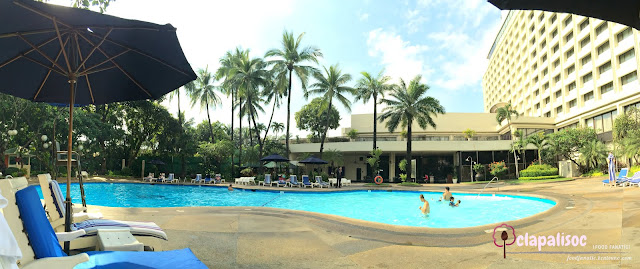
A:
485,186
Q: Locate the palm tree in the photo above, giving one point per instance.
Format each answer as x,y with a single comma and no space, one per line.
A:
277,128
592,153
370,87
202,91
273,91
409,105
539,140
330,85
176,94
289,59
505,113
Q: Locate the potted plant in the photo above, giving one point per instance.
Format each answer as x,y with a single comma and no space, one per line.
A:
403,167
479,169
352,134
469,134
403,177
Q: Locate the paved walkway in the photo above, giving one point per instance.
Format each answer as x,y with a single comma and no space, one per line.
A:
256,237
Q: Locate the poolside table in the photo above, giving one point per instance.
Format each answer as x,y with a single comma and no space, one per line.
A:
117,240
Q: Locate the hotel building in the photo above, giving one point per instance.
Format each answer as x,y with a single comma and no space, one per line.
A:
557,70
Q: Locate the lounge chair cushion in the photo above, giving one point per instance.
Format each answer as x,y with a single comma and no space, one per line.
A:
137,228
180,258
58,200
41,236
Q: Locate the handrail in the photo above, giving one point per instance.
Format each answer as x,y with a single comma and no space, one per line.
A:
485,186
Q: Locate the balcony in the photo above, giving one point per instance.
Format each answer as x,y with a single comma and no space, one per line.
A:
633,86
604,78
570,78
570,60
586,69
618,27
566,30
623,46
583,33
584,51
601,38
627,67
573,94
604,57
587,87
557,102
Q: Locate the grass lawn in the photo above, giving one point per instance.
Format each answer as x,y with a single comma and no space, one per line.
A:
517,181
410,184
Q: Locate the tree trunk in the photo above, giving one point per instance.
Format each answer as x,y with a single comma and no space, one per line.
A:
539,157
260,145
240,135
233,141
209,118
288,113
326,127
273,110
375,120
179,113
515,156
409,175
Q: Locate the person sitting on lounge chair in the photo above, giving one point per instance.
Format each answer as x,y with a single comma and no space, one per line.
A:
425,207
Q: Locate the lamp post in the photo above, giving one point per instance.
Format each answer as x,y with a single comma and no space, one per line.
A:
470,160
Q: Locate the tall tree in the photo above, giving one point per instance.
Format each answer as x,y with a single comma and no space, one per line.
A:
506,113
539,140
408,105
290,58
370,87
331,84
277,128
593,154
203,92
176,94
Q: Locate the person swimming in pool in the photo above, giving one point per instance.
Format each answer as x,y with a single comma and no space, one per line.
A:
230,188
452,202
446,196
425,207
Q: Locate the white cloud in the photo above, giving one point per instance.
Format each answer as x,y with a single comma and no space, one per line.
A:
400,58
363,16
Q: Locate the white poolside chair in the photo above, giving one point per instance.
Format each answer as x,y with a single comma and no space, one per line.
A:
197,179
171,179
305,182
267,180
54,203
293,181
320,183
149,178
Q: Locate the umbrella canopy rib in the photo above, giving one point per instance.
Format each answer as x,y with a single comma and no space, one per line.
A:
66,57
39,12
44,65
119,67
26,51
42,53
93,50
46,77
88,71
93,100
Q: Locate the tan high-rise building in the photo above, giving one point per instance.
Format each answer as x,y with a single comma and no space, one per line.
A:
577,70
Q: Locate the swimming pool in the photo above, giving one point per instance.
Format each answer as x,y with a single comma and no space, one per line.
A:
397,207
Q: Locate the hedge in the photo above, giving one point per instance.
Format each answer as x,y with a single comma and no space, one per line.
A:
538,178
539,170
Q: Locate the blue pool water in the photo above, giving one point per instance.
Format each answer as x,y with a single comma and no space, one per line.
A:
397,207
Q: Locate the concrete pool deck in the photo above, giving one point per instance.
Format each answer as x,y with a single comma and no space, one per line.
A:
254,237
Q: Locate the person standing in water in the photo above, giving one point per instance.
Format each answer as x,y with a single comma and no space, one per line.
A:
230,188
425,207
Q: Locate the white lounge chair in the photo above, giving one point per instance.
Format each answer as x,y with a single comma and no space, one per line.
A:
320,183
171,179
149,178
54,203
39,246
305,182
267,180
197,179
293,181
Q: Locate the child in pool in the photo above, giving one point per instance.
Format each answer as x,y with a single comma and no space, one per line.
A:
452,202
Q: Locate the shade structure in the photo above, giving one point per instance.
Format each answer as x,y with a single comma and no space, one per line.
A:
313,160
56,54
625,12
274,158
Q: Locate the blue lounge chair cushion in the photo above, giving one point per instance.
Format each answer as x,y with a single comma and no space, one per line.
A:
41,236
180,258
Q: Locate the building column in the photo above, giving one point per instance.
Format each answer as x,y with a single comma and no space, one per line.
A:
392,166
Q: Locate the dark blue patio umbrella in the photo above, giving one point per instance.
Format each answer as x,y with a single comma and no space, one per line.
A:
56,54
313,160
274,158
625,12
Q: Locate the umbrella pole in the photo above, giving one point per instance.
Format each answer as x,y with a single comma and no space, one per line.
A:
67,217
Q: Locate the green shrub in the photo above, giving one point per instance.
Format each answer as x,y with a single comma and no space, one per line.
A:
246,172
634,169
126,171
498,169
538,178
593,173
410,184
325,177
11,170
403,177
539,170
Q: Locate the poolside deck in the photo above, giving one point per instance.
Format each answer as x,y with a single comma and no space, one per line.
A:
245,237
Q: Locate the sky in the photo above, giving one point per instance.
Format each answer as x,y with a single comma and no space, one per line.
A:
444,41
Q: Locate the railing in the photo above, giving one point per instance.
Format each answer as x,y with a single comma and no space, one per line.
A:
485,186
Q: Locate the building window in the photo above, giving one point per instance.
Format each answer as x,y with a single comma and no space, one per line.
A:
536,93
603,48
535,79
601,28
531,16
606,88
573,103
543,44
553,18
554,33
533,41
584,42
628,78
636,105
571,69
559,110
556,79
544,57
627,56
545,71
547,100
568,37
547,115
533,28
545,86
604,68
569,53
571,86
542,31
541,17
587,96
567,21
584,24
555,48
624,34
586,59
537,106
558,94
556,63
586,78
535,66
